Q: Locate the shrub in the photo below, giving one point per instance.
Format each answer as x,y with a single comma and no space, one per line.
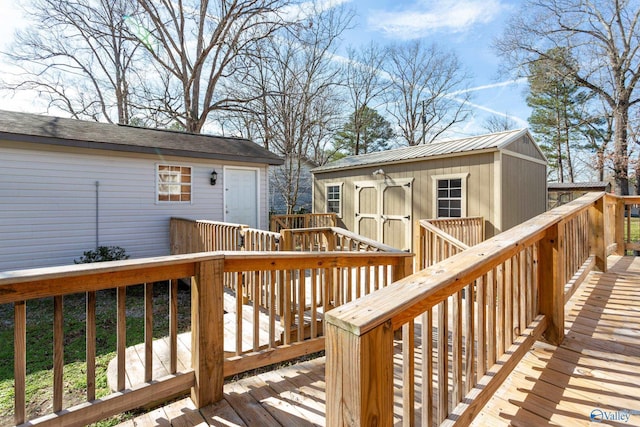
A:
103,253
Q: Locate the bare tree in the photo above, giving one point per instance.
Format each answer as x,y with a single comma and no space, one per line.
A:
296,107
201,43
79,56
604,37
425,95
364,81
499,123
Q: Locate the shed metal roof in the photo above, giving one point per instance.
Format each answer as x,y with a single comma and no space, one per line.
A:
596,185
34,128
416,152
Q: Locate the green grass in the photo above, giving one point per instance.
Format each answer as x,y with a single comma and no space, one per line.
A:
40,345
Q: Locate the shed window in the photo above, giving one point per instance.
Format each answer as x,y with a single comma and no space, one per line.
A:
334,198
449,198
174,183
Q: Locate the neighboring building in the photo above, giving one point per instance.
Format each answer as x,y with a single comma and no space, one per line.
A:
560,193
69,186
500,177
278,183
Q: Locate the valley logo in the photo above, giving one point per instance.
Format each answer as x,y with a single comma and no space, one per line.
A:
599,415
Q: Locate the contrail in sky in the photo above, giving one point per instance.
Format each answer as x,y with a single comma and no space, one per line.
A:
491,86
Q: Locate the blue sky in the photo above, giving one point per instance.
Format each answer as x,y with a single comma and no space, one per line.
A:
466,27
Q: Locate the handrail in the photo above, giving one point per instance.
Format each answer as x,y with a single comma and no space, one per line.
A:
518,277
306,285
279,222
331,238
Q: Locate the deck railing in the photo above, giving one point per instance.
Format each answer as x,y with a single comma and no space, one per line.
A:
291,291
469,230
465,322
188,236
629,222
279,222
435,245
330,239
307,285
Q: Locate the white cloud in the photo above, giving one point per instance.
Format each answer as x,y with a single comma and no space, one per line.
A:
10,18
427,17
307,9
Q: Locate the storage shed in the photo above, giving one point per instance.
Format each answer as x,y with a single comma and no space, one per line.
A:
500,177
560,193
69,186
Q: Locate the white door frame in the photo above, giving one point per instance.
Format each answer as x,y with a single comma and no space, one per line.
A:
379,217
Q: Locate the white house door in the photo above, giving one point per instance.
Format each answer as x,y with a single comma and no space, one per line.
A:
241,196
383,211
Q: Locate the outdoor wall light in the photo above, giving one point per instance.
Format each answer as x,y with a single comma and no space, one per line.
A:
214,177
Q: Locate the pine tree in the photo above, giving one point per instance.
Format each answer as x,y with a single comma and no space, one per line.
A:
557,117
364,132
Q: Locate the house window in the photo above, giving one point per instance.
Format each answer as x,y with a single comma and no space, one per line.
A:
449,199
174,183
334,198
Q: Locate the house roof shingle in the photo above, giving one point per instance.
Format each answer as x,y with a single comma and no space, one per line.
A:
474,143
26,127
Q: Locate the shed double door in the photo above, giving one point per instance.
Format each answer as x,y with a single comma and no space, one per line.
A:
383,211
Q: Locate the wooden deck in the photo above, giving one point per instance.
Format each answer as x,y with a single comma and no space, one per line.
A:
596,369
594,372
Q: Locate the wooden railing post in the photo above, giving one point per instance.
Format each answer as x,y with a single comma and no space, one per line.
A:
597,243
551,279
207,333
359,376
402,269
619,226
286,240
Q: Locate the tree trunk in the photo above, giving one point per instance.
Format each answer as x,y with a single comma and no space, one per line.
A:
558,147
600,164
620,157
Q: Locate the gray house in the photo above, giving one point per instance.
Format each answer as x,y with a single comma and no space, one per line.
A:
279,182
500,177
69,186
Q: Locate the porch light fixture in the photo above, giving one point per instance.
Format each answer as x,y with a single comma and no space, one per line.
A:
378,172
214,177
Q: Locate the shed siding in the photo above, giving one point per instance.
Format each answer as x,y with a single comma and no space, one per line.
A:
48,197
526,146
523,190
480,188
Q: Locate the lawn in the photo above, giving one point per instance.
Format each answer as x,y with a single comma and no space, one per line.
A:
40,345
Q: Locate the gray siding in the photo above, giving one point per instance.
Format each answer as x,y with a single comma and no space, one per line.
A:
523,190
48,203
